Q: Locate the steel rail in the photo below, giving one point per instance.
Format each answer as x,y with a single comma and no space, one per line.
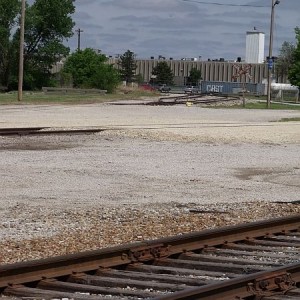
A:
45,131
197,96
195,99
20,130
244,286
142,251
162,251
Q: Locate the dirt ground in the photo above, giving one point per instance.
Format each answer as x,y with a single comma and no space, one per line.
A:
142,175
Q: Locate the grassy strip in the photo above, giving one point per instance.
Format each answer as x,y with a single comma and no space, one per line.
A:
262,105
122,94
41,98
289,120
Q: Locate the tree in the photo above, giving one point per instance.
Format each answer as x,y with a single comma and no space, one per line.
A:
284,61
9,10
294,72
195,77
163,73
139,78
90,70
127,66
47,25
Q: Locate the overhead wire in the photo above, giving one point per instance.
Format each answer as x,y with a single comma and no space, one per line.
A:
224,4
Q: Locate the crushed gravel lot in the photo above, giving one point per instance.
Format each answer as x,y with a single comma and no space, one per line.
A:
153,171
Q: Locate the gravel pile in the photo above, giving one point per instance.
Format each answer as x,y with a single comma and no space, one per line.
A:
156,172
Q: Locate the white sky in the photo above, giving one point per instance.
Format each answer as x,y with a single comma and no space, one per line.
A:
176,28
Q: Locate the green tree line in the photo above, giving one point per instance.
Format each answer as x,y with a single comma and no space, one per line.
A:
47,25
288,61
294,71
89,69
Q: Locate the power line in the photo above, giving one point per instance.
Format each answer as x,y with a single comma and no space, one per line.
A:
223,4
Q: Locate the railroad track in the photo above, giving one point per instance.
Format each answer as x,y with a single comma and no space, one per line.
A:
257,260
192,98
44,131
182,99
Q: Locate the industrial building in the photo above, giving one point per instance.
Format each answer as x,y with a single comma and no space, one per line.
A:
210,70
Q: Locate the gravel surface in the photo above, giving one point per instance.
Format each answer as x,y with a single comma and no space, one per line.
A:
155,171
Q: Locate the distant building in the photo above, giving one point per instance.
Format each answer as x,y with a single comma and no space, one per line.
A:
255,47
210,70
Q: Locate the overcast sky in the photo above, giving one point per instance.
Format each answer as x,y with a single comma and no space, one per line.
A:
180,28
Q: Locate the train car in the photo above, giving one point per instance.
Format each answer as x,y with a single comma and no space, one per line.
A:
232,88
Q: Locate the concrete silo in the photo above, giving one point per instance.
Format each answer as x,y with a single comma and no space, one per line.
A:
255,47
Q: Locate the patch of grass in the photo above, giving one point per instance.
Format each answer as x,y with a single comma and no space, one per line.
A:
42,98
289,120
263,105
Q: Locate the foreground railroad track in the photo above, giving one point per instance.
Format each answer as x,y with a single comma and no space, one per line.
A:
257,260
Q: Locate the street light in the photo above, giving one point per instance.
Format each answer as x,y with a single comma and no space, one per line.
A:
270,58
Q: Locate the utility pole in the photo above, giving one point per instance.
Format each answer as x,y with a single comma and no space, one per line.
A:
21,56
79,37
270,58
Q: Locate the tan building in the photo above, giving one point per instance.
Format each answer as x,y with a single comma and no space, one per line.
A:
210,70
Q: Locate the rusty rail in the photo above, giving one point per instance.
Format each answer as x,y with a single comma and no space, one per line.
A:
45,131
163,265
192,98
263,284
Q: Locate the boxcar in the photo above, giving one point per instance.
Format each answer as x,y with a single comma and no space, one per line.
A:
231,88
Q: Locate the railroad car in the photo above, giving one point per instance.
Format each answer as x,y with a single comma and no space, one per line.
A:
231,88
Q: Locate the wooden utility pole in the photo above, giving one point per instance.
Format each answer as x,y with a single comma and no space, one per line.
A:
21,57
270,58
79,37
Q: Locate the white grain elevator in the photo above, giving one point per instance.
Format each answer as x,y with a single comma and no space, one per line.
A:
255,47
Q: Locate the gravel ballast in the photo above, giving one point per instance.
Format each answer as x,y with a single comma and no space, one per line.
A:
153,172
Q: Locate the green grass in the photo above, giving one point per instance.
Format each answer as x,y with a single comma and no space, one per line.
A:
289,120
41,98
263,105
121,94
